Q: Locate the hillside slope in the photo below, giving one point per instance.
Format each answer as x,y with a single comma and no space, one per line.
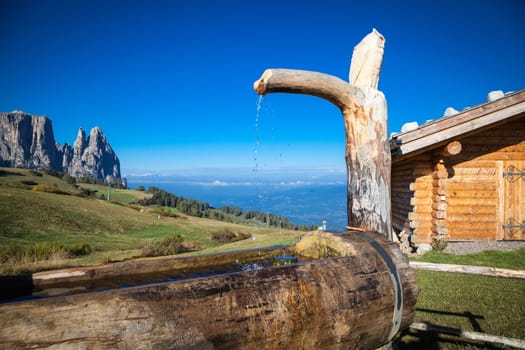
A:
40,229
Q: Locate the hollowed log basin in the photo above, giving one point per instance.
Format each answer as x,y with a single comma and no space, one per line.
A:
352,290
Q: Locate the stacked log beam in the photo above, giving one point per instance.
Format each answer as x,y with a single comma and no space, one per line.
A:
439,203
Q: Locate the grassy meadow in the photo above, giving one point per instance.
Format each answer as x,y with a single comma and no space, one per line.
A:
490,305
42,230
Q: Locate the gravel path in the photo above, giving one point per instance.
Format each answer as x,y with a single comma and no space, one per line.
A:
462,248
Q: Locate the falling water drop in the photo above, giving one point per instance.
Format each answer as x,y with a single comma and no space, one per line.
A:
256,148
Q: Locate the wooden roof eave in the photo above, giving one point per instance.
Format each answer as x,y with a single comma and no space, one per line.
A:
437,133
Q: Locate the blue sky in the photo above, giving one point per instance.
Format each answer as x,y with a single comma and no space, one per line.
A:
170,82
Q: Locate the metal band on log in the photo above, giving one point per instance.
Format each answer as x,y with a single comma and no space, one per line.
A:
343,299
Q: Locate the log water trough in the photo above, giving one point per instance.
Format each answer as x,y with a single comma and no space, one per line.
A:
347,290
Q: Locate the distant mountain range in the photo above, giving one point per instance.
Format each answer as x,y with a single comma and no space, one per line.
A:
303,197
28,141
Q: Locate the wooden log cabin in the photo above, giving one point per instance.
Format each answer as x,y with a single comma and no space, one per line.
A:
462,177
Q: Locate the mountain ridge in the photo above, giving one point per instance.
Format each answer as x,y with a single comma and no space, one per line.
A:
28,141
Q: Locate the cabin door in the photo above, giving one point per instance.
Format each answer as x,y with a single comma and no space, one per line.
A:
513,198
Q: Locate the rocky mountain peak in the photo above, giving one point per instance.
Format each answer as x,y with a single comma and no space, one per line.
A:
27,141
94,157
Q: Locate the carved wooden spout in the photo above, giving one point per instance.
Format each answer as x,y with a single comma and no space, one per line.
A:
365,116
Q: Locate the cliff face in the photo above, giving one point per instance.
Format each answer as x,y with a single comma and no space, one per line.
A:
93,156
27,141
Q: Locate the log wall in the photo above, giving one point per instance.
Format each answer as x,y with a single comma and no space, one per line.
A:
464,196
412,198
478,201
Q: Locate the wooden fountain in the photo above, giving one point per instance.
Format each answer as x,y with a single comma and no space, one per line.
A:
349,290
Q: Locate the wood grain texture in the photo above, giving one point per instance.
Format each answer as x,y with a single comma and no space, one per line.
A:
344,299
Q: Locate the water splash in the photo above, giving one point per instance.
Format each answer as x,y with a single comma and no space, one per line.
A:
252,267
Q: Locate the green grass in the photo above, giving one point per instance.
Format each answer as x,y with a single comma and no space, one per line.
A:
118,195
511,260
56,223
485,304
13,177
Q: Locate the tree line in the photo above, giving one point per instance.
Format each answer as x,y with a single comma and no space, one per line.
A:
226,213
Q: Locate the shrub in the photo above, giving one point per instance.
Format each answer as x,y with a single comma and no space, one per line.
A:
49,189
43,251
54,173
80,249
106,259
29,183
164,211
167,246
87,192
69,179
227,236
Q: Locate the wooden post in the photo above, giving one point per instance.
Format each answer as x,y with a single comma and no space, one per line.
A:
365,117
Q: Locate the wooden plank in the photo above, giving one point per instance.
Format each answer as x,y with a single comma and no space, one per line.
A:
427,225
421,186
471,235
472,226
489,195
474,164
487,139
472,209
518,155
512,130
423,210
481,171
420,217
403,182
481,218
472,186
462,333
401,219
404,209
405,194
422,236
425,201
422,172
404,166
461,178
468,269
467,201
